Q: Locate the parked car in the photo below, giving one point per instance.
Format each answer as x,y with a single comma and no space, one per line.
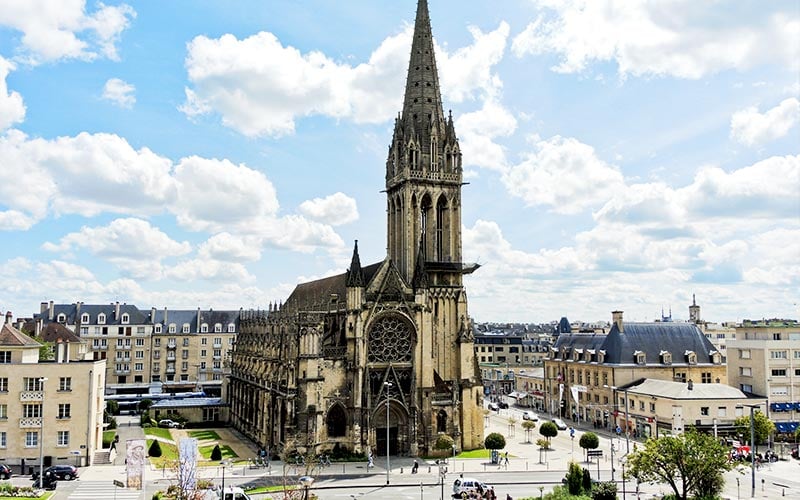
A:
62,471
529,415
469,486
503,405
560,425
493,407
5,471
169,423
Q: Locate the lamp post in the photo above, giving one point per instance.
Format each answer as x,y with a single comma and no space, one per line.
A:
41,435
306,482
224,463
624,391
388,388
752,450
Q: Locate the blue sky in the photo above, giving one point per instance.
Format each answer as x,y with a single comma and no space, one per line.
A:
214,154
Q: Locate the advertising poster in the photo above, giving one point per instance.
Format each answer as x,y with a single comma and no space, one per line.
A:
135,462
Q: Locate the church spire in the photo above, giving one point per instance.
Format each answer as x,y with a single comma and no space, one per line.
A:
422,106
355,275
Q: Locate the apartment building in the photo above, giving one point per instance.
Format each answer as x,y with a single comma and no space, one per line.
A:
764,360
585,371
53,408
150,351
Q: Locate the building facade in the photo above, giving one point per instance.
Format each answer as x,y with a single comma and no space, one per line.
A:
159,350
380,358
52,407
585,371
764,360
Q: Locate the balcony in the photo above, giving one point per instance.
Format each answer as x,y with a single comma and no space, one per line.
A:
31,396
100,347
217,345
170,369
172,345
123,371
30,423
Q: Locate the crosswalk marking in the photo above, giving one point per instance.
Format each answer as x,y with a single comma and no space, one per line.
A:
94,490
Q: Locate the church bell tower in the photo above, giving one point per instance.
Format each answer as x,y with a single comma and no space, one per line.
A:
423,173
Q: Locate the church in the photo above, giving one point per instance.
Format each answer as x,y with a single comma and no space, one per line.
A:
380,358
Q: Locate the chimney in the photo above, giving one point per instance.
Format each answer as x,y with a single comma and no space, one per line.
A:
42,307
152,315
78,311
116,311
8,317
616,319
198,321
690,385
165,315
50,312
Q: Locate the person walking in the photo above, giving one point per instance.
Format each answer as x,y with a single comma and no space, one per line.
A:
415,467
370,462
506,458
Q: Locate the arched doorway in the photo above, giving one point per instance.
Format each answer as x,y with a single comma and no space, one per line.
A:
397,435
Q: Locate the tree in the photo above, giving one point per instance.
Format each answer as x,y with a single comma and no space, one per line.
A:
762,427
216,454
444,443
606,490
589,441
548,430
494,441
574,479
528,425
512,422
154,450
691,463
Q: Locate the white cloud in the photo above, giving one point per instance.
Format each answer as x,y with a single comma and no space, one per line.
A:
119,92
478,130
564,175
65,271
208,269
336,209
12,109
680,38
227,247
56,29
752,128
260,87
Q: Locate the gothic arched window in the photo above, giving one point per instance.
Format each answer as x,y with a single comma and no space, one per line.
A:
336,421
441,421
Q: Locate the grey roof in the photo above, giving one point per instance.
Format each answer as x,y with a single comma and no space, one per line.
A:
649,338
680,390
317,293
71,311
210,317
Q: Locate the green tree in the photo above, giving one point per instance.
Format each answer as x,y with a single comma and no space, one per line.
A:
145,404
548,430
762,426
216,454
574,479
586,481
112,407
589,441
528,425
606,490
154,450
691,464
444,443
494,441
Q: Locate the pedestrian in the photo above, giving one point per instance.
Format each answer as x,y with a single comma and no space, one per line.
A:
415,467
492,494
114,442
370,463
508,496
506,458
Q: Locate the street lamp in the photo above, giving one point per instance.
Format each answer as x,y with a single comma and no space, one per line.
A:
624,391
388,388
752,450
306,482
41,435
224,463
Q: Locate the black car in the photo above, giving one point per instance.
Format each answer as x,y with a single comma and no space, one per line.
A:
503,405
66,472
5,471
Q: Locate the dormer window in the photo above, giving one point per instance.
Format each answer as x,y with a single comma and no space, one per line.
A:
691,357
639,357
576,354
218,328
84,318
716,357
172,328
601,356
101,319
204,328
62,318
157,328
185,328
666,357
126,318
592,355
231,328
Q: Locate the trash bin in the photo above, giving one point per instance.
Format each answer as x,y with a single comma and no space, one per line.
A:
495,457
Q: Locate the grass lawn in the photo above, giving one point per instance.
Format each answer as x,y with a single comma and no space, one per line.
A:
108,436
47,495
226,450
204,435
169,454
159,432
481,453
269,489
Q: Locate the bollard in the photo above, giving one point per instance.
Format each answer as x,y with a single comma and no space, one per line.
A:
429,469
401,470
343,468
526,465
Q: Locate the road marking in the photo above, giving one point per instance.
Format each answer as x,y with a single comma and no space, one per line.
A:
92,490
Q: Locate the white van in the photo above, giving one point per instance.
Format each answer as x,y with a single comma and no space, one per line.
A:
230,493
468,485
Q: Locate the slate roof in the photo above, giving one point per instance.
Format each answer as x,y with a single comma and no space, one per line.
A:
680,390
136,316
649,338
317,293
11,337
210,317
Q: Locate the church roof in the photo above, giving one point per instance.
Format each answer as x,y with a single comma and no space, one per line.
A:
317,293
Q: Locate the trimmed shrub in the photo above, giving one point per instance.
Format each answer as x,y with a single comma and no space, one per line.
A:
494,441
216,453
604,491
155,449
574,479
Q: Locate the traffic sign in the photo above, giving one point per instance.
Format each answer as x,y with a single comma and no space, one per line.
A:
119,484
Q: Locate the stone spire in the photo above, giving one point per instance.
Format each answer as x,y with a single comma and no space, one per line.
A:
422,106
355,275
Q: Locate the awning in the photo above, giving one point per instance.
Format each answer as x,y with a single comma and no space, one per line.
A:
786,427
521,395
514,394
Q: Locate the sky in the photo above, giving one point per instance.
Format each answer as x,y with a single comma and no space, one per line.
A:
618,155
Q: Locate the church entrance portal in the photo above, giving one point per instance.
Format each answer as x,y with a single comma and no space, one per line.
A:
399,441
381,441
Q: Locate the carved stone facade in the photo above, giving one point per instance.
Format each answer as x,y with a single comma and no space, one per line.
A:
381,352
